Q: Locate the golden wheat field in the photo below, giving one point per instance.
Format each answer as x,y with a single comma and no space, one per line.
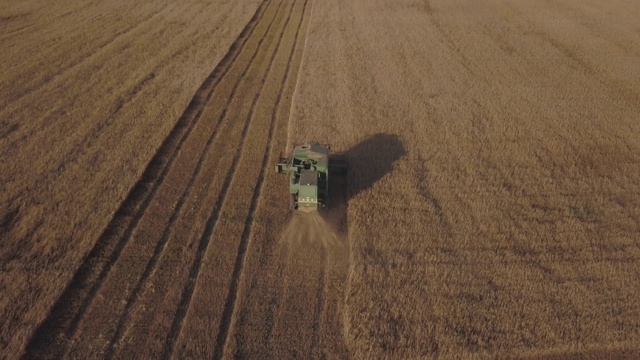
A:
491,207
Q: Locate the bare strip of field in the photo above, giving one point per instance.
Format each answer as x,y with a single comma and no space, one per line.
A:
510,224
89,91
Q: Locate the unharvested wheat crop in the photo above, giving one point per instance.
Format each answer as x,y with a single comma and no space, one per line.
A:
505,220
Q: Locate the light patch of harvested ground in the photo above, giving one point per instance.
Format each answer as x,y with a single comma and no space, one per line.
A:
509,224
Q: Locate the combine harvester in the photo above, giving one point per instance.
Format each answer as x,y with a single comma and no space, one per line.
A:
309,168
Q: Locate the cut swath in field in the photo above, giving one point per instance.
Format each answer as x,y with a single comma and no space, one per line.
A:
107,86
273,21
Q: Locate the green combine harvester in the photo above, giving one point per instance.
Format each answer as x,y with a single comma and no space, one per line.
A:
309,167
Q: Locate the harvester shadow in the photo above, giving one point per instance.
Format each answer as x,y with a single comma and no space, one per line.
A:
371,160
366,163
350,173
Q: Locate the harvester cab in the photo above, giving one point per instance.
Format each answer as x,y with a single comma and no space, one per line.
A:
308,168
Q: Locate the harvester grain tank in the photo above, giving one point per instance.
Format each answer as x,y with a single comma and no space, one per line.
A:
309,168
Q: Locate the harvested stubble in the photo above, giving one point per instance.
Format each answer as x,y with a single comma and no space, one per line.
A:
88,92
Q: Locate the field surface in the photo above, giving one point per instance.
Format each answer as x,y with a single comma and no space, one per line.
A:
490,209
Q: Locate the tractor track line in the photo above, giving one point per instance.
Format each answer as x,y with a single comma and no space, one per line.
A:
245,239
279,293
275,314
205,240
143,282
137,202
15,32
319,313
297,84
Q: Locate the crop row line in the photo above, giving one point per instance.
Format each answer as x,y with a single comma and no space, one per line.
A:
230,304
162,244
68,311
205,240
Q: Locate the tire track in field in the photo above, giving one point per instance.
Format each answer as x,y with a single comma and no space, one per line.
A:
278,294
160,248
199,143
319,312
211,223
267,318
231,304
299,309
14,32
447,39
124,306
79,145
580,62
70,308
581,16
